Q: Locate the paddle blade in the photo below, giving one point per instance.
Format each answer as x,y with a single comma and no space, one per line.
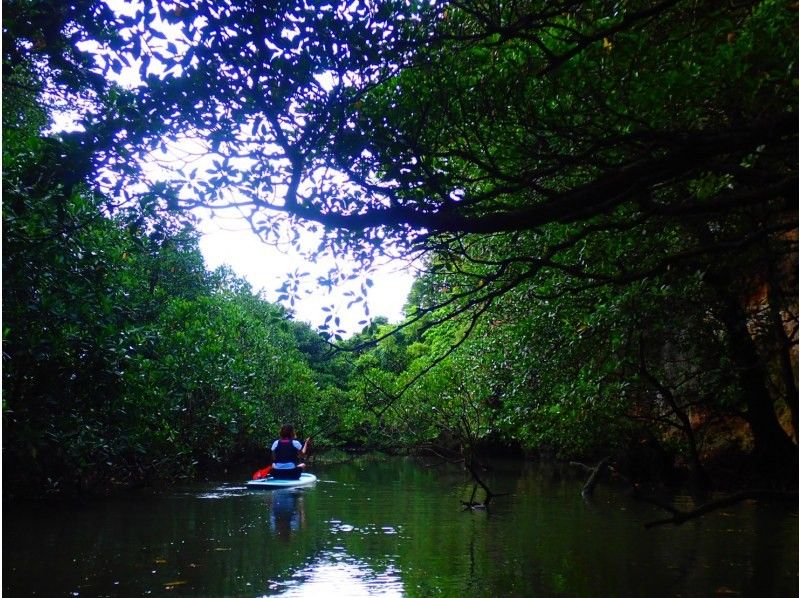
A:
262,473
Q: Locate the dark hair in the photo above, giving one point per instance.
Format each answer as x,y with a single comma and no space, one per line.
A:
287,431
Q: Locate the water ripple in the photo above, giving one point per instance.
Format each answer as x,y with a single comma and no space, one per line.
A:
338,574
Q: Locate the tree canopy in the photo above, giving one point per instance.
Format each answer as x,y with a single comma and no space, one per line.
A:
602,195
404,127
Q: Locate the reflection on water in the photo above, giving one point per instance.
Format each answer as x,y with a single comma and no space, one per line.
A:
286,511
335,573
394,528
337,526
224,491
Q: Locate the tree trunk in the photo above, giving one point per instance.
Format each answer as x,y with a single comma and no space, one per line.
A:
783,345
775,453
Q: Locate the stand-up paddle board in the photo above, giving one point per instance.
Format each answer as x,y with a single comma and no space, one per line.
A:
305,480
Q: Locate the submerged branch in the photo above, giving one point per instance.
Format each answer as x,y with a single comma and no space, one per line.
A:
679,517
471,503
596,472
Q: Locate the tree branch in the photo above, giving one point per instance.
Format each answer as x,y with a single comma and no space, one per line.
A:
679,517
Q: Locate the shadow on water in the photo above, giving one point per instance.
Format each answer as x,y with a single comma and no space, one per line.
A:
394,528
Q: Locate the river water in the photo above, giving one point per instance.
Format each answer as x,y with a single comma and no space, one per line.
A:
395,527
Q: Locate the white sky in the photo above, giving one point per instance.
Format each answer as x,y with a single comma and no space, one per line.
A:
265,267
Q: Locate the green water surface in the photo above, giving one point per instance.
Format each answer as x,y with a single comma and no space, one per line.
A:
395,527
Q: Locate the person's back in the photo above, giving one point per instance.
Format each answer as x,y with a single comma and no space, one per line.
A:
286,454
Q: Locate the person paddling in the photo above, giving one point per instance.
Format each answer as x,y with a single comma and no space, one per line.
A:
286,455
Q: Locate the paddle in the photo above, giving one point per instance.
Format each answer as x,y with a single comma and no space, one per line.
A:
262,473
